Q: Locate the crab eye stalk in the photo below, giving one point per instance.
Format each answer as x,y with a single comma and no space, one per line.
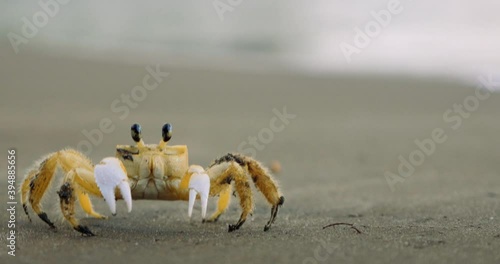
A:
135,131
166,132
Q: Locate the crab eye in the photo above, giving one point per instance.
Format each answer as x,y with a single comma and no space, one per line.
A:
166,132
136,132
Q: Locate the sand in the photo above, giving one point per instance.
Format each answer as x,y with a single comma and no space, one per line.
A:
347,133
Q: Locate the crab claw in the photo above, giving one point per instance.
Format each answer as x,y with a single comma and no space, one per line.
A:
109,175
199,183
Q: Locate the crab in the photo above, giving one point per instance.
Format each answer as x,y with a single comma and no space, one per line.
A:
148,172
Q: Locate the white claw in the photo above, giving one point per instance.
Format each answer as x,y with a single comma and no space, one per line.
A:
192,198
109,175
199,184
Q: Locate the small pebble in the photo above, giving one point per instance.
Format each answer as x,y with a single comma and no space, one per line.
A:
275,166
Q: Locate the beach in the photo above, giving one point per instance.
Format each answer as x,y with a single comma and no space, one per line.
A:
344,135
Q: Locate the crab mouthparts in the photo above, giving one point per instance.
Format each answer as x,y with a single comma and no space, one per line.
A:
110,175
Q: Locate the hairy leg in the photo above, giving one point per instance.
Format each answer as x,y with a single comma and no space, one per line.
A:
222,204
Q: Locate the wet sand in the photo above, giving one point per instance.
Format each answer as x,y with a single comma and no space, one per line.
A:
348,131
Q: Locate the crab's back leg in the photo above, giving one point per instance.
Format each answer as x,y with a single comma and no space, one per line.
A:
262,179
68,193
267,186
38,180
226,172
25,190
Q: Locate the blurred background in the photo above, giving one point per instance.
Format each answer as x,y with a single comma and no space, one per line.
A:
362,88
424,38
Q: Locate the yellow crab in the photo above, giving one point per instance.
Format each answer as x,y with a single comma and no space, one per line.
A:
151,172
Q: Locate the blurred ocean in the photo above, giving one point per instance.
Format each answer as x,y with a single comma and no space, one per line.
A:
457,38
